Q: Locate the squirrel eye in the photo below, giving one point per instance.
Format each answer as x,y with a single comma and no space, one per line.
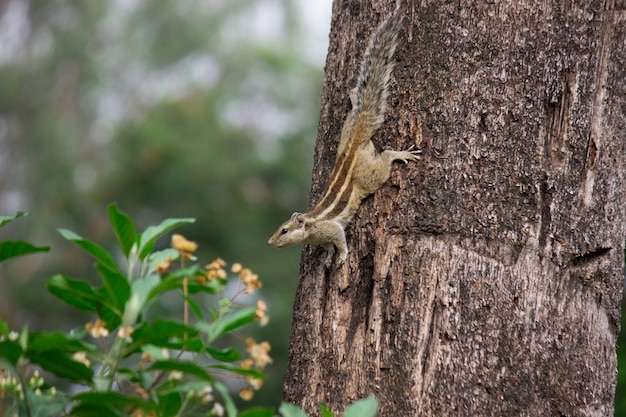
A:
285,230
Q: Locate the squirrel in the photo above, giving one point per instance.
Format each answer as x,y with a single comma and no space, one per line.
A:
359,170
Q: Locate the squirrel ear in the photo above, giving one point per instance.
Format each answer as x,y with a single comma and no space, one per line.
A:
297,217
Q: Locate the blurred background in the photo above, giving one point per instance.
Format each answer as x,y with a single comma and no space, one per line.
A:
186,108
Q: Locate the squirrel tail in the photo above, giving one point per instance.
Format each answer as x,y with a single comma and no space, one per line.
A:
369,97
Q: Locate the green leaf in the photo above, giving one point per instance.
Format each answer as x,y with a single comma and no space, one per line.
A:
8,219
110,398
113,297
189,271
152,233
140,290
74,292
22,339
258,412
41,342
4,328
181,387
182,366
96,410
367,407
123,227
57,362
238,319
10,351
154,351
237,370
117,287
229,404
226,324
289,410
111,316
13,248
194,307
99,254
173,281
169,404
224,355
163,333
325,412
45,405
212,287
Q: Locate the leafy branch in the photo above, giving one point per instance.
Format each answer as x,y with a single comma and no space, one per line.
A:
122,363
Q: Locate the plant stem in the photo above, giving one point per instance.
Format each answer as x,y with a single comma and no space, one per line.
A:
185,303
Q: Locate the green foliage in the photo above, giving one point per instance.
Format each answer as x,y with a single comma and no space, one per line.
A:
170,361
11,249
128,365
367,407
178,109
8,219
289,410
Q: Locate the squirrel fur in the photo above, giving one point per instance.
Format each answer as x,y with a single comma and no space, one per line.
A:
359,170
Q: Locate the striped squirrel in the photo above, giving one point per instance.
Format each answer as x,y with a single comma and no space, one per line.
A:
359,170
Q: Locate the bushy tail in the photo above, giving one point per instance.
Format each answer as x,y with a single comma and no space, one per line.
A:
369,97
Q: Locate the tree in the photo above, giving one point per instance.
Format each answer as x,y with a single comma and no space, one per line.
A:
486,281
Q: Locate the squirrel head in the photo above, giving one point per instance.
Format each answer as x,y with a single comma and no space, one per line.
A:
292,232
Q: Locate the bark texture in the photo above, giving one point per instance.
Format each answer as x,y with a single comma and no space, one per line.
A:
486,279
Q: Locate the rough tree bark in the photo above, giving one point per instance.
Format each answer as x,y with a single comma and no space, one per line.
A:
486,279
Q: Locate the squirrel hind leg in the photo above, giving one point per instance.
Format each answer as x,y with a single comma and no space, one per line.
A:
330,251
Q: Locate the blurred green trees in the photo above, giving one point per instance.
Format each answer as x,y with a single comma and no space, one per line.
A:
171,109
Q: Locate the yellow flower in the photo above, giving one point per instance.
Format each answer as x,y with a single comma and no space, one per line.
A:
216,264
97,329
250,279
255,383
218,410
81,357
236,268
260,315
246,394
206,394
163,266
184,247
216,270
145,360
246,363
175,376
259,352
125,332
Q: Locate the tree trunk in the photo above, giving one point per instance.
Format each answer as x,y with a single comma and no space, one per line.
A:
485,279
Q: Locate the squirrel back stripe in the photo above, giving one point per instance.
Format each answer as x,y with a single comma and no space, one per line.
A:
369,104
